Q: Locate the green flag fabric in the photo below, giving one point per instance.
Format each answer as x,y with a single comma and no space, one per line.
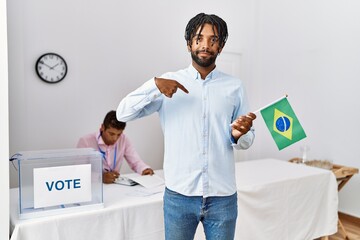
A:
282,123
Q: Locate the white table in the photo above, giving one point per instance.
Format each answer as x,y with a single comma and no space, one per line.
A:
277,200
285,201
124,216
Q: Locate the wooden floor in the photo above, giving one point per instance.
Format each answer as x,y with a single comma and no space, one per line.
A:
352,227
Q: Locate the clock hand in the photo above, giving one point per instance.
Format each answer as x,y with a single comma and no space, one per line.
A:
54,66
57,70
45,64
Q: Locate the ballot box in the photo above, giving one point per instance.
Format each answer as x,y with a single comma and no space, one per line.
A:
59,181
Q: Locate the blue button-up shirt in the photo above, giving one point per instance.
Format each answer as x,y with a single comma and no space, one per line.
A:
198,151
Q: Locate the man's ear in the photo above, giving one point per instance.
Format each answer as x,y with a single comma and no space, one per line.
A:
188,47
102,128
220,49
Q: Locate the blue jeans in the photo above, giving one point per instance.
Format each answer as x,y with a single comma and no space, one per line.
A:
182,215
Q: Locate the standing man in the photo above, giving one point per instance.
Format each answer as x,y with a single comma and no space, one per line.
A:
114,146
204,115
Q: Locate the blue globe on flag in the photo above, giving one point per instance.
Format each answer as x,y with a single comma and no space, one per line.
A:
282,124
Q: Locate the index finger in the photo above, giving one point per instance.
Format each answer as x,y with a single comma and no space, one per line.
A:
182,88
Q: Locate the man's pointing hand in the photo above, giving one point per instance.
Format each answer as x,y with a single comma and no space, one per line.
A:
168,86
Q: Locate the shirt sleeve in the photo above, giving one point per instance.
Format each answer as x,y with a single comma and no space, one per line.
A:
133,158
88,141
82,143
144,101
245,141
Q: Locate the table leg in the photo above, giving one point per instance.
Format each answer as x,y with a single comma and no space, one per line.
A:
343,231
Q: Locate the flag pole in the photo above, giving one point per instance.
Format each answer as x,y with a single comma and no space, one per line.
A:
270,104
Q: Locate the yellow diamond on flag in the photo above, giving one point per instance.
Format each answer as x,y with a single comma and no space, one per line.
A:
283,124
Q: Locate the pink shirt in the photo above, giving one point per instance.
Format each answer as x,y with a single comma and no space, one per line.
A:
114,154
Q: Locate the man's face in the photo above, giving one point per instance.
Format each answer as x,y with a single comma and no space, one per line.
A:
110,135
205,47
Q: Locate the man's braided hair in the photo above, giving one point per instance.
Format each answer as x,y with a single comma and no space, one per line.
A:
198,22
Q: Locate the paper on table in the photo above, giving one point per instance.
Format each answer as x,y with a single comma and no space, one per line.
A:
144,192
148,181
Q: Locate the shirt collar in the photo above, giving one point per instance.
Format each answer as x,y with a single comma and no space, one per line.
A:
196,75
100,139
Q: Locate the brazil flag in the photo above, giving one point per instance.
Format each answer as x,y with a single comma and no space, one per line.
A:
282,123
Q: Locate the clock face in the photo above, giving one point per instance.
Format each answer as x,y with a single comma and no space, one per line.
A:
51,68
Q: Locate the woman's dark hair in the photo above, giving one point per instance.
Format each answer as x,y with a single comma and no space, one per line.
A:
198,22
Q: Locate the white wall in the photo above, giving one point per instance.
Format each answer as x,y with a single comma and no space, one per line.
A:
310,50
307,49
111,48
4,126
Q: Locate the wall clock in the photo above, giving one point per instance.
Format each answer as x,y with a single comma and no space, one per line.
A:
51,67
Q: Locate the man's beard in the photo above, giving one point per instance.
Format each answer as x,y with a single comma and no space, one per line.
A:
203,62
